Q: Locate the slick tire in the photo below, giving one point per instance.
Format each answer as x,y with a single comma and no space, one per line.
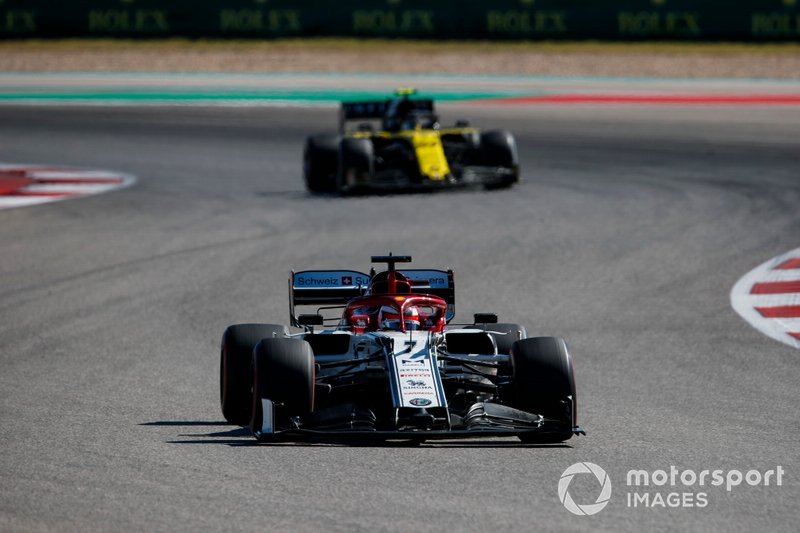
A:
320,163
284,372
235,373
356,164
498,148
544,383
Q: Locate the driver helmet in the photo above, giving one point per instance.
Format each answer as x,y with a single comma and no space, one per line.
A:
389,318
398,113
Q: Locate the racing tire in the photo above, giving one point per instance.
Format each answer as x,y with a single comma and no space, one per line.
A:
235,373
356,164
544,383
498,148
284,372
320,163
509,334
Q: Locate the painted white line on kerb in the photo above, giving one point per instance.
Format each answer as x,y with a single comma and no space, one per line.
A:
23,185
755,308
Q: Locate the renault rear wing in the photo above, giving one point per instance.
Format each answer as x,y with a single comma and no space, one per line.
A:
376,109
373,110
364,110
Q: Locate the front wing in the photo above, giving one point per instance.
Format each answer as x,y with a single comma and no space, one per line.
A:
398,181
497,421
533,436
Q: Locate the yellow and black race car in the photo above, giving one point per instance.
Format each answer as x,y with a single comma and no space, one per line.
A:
397,144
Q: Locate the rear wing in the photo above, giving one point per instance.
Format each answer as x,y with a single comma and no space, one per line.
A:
424,105
376,109
325,288
364,110
337,287
434,282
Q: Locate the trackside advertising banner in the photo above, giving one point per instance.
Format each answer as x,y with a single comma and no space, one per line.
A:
754,20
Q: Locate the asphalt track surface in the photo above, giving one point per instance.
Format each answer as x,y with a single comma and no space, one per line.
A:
631,227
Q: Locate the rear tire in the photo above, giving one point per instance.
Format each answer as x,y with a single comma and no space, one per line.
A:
235,373
283,371
320,163
544,383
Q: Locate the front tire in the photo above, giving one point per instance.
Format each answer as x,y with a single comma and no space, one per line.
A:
235,374
283,371
356,164
544,383
498,148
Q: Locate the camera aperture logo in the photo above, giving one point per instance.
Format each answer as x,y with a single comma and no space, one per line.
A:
589,508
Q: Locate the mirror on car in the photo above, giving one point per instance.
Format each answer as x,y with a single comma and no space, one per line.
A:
485,318
310,320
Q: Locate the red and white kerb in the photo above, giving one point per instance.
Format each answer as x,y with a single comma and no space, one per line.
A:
24,185
768,297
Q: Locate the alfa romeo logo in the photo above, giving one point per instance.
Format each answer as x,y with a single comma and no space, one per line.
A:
590,508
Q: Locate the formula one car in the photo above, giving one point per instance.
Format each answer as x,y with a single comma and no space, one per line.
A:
408,151
390,366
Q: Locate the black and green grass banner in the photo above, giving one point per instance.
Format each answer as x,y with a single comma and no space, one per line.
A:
736,20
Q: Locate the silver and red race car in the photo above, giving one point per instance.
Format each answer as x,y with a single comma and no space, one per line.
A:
393,365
